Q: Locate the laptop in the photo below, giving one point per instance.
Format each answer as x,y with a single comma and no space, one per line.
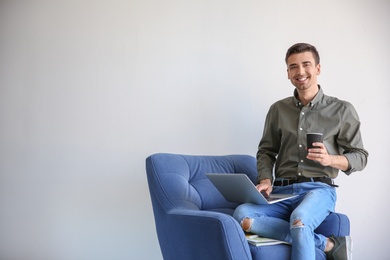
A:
238,187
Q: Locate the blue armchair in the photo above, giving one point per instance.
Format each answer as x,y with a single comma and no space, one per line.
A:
193,220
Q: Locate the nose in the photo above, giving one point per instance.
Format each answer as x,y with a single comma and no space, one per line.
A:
301,70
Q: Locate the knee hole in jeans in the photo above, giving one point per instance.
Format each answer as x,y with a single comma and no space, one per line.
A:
297,223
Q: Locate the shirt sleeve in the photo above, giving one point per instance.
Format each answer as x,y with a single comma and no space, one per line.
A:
350,140
268,147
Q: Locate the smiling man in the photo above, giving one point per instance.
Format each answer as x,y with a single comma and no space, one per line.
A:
303,69
285,165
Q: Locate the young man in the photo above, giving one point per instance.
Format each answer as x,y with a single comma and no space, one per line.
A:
307,172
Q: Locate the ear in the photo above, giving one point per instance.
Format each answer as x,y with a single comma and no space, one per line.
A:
288,74
318,69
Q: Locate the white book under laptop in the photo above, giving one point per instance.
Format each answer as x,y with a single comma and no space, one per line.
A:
237,187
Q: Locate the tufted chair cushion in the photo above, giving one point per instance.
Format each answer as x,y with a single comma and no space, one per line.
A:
183,181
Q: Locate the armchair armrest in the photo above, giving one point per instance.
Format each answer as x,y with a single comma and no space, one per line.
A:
335,224
200,234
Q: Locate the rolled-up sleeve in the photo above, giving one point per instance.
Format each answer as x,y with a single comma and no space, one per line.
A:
350,140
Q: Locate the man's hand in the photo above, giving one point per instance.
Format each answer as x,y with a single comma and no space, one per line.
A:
265,186
320,154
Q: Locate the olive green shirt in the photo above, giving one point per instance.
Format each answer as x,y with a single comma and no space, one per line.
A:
282,149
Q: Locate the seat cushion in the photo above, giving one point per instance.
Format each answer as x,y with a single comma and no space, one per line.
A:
277,252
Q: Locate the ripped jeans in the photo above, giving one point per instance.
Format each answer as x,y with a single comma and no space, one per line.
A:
315,202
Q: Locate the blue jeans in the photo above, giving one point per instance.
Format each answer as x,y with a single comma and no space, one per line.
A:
315,202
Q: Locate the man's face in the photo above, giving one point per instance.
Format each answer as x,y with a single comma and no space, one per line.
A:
302,70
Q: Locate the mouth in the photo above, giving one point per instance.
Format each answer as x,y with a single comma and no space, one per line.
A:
301,79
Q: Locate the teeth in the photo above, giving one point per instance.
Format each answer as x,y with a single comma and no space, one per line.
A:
301,79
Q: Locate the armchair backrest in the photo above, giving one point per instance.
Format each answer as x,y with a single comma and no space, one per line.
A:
179,181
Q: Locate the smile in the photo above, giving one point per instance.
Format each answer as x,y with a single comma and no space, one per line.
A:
301,79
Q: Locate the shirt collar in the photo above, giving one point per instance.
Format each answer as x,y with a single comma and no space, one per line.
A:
317,98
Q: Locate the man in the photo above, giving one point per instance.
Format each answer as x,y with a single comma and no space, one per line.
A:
307,172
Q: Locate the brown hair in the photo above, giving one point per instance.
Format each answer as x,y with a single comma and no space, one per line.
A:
303,47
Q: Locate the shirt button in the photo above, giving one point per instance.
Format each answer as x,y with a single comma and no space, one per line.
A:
300,128
299,174
301,160
303,113
300,146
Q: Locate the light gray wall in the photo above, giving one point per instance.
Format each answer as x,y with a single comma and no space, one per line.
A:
89,89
